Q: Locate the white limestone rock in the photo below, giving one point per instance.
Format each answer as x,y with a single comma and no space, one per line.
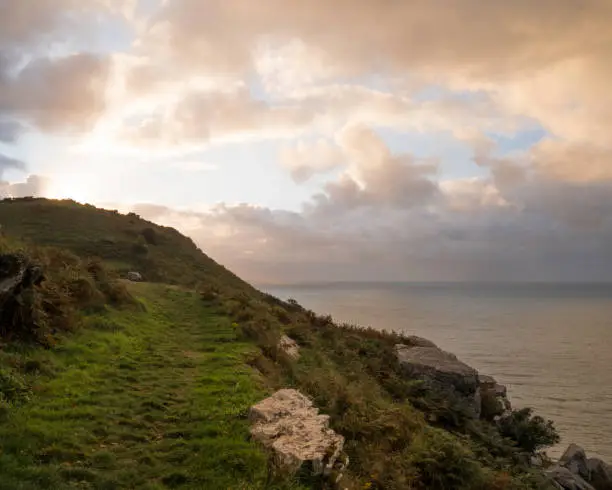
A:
289,425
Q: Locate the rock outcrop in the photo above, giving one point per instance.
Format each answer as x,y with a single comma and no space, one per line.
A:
564,479
17,278
600,474
290,347
485,397
494,398
575,472
420,342
443,371
288,424
574,459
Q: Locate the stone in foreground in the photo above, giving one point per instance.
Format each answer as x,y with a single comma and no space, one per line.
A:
600,474
289,425
574,459
564,479
443,371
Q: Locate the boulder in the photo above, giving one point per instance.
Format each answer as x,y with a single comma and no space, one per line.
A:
495,402
288,424
537,461
420,342
600,474
564,479
134,276
443,371
289,347
489,383
574,459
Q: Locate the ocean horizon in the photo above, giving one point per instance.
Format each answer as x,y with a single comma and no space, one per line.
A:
546,341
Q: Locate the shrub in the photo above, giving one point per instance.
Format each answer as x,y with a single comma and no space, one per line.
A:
150,236
13,387
293,305
140,248
209,293
443,463
56,284
530,433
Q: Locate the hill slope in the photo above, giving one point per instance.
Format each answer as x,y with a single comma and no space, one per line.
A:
125,242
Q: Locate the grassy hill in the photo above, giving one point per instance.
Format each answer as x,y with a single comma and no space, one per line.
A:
125,242
106,384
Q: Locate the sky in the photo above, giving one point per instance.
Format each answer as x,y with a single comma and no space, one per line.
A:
308,140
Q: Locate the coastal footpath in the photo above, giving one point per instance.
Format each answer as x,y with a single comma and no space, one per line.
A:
130,359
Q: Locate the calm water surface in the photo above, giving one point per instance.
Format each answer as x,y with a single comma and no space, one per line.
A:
550,344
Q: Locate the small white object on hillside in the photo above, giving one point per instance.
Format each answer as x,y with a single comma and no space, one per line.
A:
134,276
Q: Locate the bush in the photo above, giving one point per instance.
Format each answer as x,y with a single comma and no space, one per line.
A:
209,293
530,433
56,284
13,387
150,236
140,248
443,463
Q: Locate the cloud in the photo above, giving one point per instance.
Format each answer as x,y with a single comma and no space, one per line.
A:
58,93
495,39
8,162
547,64
10,131
34,186
205,116
48,75
573,162
375,176
547,238
27,22
535,58
305,160
384,218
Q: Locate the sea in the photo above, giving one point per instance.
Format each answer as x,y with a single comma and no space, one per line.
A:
550,344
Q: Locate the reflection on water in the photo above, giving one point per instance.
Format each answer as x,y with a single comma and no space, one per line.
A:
550,344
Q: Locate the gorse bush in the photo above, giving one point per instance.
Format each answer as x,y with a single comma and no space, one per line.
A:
441,462
529,432
48,288
13,387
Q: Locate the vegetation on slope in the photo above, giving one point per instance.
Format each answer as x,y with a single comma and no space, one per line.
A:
124,242
148,386
399,435
135,399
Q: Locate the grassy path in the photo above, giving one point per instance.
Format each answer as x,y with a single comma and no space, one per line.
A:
149,400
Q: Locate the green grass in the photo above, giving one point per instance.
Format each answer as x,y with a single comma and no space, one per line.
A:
140,399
